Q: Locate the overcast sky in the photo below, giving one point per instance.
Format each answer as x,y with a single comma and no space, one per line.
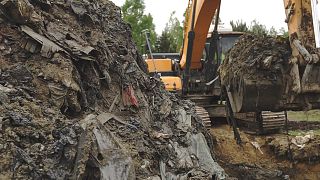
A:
270,13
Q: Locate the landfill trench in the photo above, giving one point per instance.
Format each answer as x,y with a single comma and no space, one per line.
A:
270,156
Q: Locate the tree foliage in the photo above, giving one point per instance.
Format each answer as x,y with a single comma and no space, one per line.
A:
164,42
283,32
257,28
239,26
172,36
272,31
133,13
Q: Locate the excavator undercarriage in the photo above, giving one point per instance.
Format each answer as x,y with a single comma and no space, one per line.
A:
212,111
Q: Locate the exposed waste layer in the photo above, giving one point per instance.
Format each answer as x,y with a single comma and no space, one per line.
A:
278,156
76,103
256,57
300,148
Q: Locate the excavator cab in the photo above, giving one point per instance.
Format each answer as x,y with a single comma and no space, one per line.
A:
225,41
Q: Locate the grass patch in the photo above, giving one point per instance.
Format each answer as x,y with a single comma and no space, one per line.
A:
303,133
313,115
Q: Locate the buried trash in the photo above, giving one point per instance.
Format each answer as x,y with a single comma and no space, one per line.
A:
76,103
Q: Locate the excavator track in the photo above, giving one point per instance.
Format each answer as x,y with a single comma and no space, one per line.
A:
204,115
271,121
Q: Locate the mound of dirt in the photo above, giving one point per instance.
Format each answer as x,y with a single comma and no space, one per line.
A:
76,103
255,57
298,149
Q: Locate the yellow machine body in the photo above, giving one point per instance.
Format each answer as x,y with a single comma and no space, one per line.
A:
159,65
172,83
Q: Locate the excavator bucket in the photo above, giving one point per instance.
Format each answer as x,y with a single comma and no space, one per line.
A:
249,95
311,79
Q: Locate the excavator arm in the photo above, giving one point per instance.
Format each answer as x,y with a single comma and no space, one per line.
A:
199,16
303,25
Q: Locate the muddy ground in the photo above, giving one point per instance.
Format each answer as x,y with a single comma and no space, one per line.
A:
277,159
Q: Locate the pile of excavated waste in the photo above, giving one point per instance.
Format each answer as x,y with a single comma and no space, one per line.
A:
76,103
256,57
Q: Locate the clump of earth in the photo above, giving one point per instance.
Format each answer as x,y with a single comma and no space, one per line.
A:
255,57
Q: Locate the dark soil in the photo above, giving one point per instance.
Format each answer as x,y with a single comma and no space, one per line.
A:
303,125
255,57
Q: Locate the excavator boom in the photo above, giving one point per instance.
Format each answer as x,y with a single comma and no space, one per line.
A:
198,19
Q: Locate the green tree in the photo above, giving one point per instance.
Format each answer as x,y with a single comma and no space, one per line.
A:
164,42
272,31
283,32
172,36
258,29
239,26
133,13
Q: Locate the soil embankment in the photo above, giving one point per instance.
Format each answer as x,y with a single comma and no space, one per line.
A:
278,158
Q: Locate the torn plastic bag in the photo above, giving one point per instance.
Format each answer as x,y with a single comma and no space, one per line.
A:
128,97
107,158
184,120
197,158
48,47
170,176
78,7
112,160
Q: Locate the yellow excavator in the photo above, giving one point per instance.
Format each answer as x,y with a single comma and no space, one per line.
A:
196,74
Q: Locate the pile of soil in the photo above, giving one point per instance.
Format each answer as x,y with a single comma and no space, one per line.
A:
75,101
255,57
